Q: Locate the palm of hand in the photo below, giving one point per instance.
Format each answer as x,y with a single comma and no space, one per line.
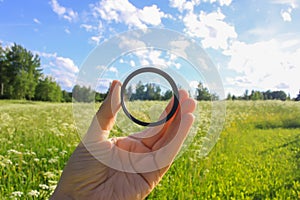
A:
85,177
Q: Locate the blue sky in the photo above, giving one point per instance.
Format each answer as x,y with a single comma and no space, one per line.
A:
254,44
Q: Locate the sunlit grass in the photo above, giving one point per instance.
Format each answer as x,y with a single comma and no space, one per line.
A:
256,157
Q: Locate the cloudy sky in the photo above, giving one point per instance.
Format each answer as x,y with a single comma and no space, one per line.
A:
254,44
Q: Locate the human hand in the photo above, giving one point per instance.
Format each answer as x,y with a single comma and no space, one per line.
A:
124,167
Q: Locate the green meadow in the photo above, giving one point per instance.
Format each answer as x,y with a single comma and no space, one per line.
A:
256,157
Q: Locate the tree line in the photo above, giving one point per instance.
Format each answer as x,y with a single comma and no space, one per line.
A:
148,91
263,95
151,91
21,77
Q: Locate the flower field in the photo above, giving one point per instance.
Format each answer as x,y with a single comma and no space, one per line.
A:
256,157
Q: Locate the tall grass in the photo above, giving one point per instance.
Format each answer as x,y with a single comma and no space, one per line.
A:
256,157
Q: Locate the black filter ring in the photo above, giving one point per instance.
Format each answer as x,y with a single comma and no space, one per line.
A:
175,95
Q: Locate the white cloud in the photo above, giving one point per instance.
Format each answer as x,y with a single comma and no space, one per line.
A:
66,64
65,79
131,62
63,69
154,56
291,3
114,70
87,27
129,44
282,86
151,15
45,55
211,28
103,85
67,31
183,5
286,16
194,84
272,64
36,21
66,13
286,13
225,2
122,11
149,57
179,46
158,58
57,8
96,38
221,2
143,55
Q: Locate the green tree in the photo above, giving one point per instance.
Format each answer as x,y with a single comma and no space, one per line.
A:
21,72
150,92
129,93
66,96
267,95
168,95
3,69
229,97
48,90
246,96
234,97
202,93
279,95
157,93
256,95
298,97
139,91
83,94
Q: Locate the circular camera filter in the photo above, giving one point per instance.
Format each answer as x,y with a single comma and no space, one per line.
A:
175,96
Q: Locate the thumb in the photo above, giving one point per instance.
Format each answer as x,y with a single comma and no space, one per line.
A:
111,105
105,117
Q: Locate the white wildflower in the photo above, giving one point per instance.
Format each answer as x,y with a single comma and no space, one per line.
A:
52,187
14,151
7,161
53,160
44,186
52,182
30,153
49,174
17,194
63,152
34,193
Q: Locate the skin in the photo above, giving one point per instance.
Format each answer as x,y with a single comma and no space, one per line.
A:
85,177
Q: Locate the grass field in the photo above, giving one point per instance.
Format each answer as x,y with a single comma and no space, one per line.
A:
256,157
